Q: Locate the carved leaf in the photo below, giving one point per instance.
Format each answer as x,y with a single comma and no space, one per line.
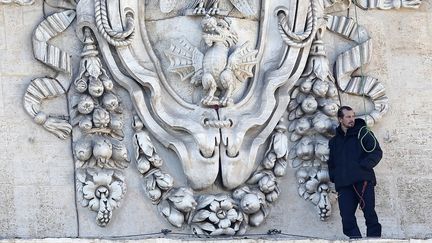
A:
166,6
201,216
204,201
292,115
301,190
164,208
142,142
296,163
315,198
176,218
293,152
280,144
292,126
242,61
256,177
197,230
206,226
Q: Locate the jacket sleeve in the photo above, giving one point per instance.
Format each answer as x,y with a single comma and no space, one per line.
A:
330,163
373,157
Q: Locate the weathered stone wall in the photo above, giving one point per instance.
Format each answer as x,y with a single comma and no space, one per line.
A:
37,170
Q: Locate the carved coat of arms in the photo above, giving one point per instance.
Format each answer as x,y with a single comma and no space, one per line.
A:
238,89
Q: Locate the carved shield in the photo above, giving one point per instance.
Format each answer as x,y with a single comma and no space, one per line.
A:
175,48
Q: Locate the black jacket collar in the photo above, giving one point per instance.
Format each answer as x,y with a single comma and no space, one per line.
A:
359,123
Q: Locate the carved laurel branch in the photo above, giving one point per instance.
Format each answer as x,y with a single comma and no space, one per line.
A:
220,214
115,38
98,150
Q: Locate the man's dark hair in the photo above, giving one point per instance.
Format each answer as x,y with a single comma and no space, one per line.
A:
340,113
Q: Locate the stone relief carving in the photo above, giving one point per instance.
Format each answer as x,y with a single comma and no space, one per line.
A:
20,2
51,55
39,90
268,100
96,114
101,191
214,70
46,88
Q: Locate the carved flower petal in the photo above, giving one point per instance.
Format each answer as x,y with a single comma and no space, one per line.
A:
226,205
217,232
201,216
215,206
204,201
221,197
224,223
116,191
206,226
232,215
89,190
213,218
94,204
229,231
103,178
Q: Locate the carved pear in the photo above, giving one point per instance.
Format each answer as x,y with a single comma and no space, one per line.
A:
102,150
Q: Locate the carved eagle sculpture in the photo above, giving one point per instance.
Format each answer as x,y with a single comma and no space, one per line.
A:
211,7
215,69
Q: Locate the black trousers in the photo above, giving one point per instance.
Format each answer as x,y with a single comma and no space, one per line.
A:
349,198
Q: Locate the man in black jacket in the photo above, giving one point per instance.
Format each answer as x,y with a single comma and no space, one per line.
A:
354,152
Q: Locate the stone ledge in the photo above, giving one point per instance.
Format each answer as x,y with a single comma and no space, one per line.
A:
166,240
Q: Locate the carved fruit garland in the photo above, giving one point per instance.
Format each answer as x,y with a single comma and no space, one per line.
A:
312,114
221,214
98,150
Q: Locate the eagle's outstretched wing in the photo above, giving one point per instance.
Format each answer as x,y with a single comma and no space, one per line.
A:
185,60
242,61
244,6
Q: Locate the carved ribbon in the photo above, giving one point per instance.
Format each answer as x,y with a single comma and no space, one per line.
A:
350,61
39,90
48,29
